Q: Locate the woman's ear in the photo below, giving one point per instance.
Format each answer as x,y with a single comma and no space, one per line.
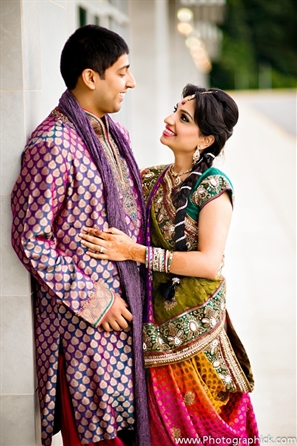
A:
207,141
88,78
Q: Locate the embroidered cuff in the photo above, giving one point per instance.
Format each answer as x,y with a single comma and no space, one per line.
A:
97,306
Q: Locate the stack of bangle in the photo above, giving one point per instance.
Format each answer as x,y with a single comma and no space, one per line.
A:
158,259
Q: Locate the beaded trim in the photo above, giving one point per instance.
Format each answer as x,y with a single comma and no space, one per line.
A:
187,352
186,334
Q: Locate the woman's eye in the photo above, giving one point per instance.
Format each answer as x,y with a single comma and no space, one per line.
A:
184,118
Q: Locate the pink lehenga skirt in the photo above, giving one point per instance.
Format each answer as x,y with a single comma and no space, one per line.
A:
188,401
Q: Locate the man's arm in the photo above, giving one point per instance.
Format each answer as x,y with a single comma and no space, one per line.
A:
37,198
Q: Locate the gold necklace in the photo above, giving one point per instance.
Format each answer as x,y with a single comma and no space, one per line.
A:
178,175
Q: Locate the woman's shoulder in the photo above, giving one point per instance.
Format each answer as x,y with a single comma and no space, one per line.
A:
214,172
212,183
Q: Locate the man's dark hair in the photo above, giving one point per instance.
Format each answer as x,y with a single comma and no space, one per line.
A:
90,46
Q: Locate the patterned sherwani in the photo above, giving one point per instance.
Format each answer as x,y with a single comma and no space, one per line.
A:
59,190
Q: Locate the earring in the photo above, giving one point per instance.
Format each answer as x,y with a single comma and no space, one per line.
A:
196,155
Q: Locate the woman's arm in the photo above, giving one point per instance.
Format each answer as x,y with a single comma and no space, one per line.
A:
213,227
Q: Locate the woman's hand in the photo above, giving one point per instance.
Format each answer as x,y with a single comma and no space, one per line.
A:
111,245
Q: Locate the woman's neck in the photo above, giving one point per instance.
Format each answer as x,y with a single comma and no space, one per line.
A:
182,165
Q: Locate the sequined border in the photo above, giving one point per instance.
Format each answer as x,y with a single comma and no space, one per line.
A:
186,334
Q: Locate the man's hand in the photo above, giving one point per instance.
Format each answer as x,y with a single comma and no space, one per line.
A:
118,317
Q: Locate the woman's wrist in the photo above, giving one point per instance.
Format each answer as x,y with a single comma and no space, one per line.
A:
158,259
136,252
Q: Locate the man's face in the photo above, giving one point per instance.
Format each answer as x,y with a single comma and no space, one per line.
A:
110,91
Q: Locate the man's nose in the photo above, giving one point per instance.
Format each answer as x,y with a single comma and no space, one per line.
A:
131,83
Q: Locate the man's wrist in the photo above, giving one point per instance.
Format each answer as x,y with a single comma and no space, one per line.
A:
98,304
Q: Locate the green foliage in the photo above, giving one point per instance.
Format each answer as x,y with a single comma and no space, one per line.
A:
259,46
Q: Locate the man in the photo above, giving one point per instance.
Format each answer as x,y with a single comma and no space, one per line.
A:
78,170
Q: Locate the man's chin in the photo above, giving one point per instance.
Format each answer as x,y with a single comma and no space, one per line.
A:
116,108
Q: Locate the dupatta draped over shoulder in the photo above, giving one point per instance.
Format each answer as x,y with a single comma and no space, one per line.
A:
199,373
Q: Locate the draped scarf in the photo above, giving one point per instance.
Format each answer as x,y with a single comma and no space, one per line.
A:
132,281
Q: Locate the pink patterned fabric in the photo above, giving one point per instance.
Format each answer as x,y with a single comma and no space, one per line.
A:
177,413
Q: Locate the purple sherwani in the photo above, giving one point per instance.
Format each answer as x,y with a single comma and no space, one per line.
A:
59,190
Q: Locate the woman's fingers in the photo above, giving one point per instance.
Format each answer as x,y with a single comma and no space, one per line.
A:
105,235
91,238
94,247
115,231
93,231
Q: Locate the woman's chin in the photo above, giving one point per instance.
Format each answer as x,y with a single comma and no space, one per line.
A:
165,141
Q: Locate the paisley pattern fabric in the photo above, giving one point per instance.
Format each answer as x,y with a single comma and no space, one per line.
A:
199,374
58,191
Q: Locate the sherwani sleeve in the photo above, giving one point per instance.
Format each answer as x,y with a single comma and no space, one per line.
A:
41,194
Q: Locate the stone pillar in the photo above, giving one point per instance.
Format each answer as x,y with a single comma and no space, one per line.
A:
17,363
30,86
162,66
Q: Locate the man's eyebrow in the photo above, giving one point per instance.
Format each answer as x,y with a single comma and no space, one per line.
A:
124,67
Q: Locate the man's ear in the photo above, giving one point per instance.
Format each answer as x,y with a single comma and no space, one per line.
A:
88,78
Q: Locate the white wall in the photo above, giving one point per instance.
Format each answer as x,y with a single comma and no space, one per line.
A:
30,88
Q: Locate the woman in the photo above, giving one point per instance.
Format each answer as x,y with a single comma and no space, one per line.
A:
198,375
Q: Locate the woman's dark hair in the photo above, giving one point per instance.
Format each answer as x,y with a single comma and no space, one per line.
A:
216,113
90,46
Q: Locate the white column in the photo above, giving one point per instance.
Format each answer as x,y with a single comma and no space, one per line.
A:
16,363
162,66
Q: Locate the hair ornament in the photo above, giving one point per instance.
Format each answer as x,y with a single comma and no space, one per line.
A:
209,92
210,154
188,98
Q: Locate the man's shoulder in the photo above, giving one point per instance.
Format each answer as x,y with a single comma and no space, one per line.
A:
52,130
54,123
55,134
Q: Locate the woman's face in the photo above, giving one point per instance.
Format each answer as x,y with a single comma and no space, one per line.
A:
181,133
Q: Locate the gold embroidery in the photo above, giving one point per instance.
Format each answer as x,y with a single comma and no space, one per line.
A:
118,165
176,433
209,188
155,359
214,354
189,398
240,378
170,304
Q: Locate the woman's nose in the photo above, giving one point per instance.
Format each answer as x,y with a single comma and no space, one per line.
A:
169,119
